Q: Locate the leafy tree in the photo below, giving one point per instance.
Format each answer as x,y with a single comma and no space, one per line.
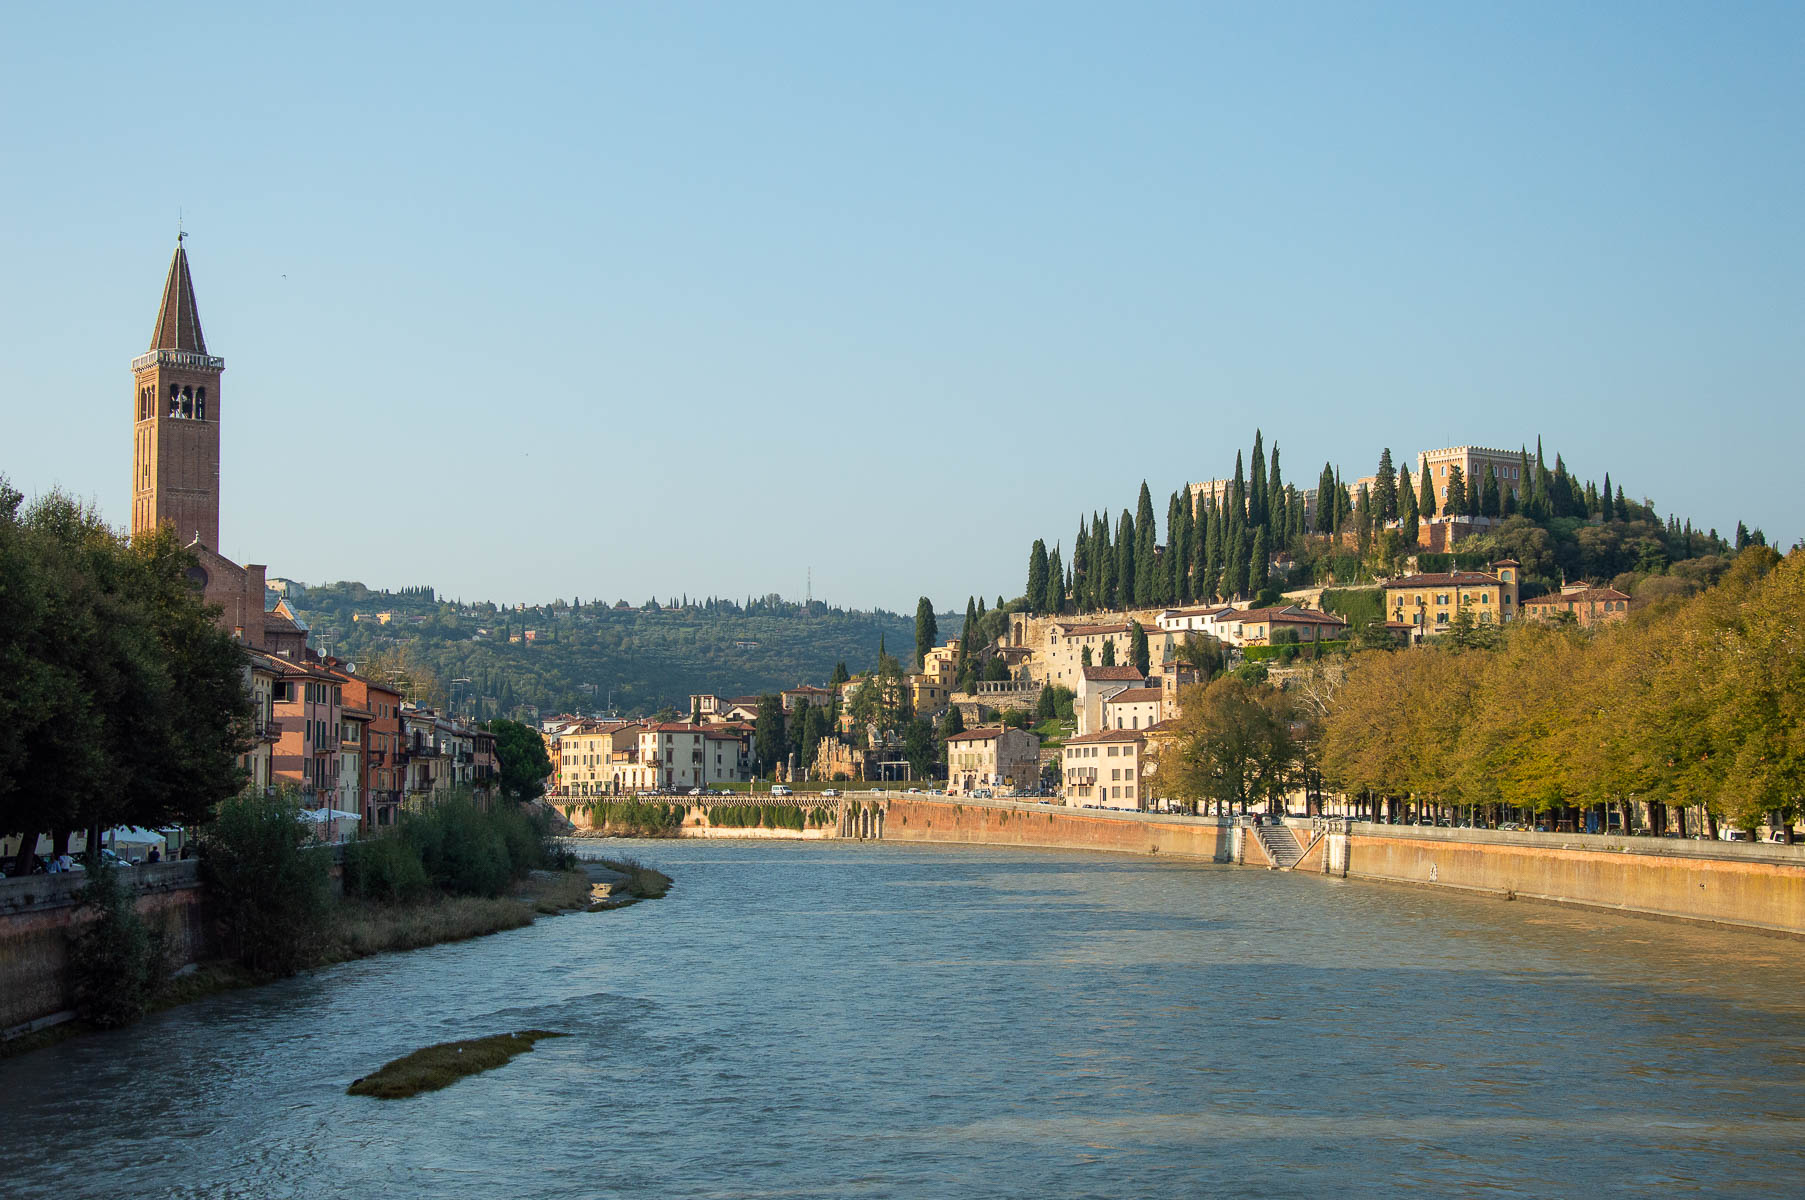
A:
524,763
927,629
1233,745
950,724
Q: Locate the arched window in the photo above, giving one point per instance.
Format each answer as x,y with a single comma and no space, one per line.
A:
188,402
175,400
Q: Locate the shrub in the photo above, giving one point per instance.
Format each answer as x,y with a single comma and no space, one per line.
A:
463,851
385,868
269,884
116,966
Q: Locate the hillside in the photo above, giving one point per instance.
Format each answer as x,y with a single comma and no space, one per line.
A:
585,657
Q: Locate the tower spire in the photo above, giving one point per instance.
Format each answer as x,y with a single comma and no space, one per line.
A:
178,318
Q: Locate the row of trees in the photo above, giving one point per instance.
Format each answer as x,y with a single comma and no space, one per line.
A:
1696,703
121,703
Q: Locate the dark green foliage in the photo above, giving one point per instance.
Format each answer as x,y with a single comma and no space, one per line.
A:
467,851
1408,513
267,881
120,701
646,659
1326,487
386,869
927,629
1145,539
524,762
1109,653
116,965
1357,606
1385,489
1138,652
1037,576
1123,593
1456,502
768,740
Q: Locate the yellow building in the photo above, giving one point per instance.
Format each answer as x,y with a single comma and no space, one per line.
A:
1103,770
1429,603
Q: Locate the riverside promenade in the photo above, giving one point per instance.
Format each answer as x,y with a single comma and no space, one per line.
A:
1750,885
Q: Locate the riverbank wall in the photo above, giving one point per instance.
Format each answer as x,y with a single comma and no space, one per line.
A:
1758,886
40,914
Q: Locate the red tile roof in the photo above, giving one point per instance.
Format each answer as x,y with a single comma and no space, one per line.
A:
1593,593
1135,696
1112,674
1107,735
1444,579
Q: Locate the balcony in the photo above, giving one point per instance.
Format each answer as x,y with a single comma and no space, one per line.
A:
179,358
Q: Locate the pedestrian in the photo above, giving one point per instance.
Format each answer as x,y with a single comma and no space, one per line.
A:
154,856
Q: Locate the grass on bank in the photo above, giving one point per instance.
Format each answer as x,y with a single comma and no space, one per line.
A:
643,882
442,1065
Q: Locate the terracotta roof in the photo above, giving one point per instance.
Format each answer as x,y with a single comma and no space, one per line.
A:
1135,696
178,318
1108,735
1443,579
1112,674
1167,726
976,735
1198,612
1592,593
1301,616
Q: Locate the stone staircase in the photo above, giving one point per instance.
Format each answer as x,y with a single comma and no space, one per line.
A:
1280,844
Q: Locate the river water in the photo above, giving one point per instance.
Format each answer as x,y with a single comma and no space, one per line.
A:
866,1020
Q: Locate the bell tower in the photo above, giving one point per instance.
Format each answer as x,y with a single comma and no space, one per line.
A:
175,427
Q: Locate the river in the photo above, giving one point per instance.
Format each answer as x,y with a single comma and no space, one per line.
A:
867,1020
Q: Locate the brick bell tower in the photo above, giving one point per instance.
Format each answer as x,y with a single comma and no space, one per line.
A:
175,429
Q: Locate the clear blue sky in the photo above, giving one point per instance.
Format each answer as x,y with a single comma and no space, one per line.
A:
653,298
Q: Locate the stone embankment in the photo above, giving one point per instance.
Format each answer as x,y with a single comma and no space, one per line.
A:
1728,883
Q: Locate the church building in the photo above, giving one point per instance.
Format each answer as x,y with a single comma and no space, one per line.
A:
175,463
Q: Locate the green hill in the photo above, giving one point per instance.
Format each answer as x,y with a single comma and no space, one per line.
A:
588,656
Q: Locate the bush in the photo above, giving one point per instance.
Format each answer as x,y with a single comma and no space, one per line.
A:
116,966
269,884
385,868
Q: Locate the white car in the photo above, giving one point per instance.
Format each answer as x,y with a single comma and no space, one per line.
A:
830,791
780,790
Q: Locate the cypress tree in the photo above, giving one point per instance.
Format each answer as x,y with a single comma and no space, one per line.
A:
1365,520
1294,511
1407,508
1125,547
927,629
1137,647
1344,503
1425,497
1325,500
1178,550
1036,591
1238,559
1456,503
1623,510
1604,500
1146,541
1103,564
1109,652
1259,562
1385,489
1490,505
1277,500
1256,486
1200,554
1079,559
970,631
1560,495
1210,583
1237,490
1053,603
